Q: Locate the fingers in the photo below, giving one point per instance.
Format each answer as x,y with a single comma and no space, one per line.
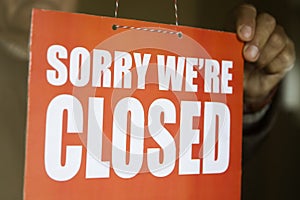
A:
270,49
276,43
265,26
246,22
268,52
283,62
266,43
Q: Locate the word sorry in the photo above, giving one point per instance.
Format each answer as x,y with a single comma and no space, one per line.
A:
173,74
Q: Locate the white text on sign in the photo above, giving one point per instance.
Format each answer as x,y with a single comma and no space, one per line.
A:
173,74
102,68
96,168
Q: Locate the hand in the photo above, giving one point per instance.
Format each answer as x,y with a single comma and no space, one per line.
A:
268,52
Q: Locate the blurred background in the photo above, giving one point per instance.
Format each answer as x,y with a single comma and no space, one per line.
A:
270,174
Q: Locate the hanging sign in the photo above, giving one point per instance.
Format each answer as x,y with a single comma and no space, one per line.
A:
126,109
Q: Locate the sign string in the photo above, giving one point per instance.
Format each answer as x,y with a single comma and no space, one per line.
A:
115,27
116,8
176,12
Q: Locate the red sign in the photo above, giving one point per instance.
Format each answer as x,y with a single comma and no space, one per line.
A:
126,109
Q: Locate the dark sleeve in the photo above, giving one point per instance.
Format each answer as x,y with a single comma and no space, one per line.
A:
255,133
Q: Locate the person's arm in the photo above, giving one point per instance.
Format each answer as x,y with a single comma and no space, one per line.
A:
269,54
15,22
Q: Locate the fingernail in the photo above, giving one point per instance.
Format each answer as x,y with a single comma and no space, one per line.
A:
246,31
252,51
